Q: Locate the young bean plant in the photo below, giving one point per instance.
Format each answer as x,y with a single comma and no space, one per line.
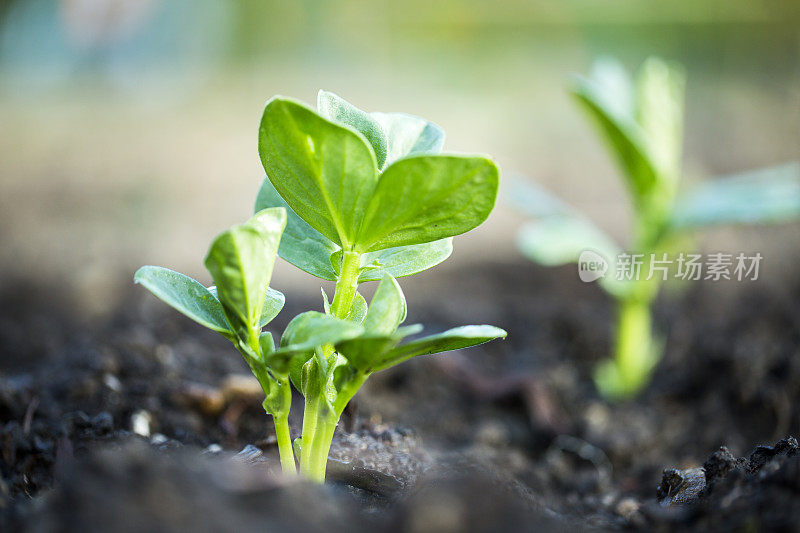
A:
641,122
350,197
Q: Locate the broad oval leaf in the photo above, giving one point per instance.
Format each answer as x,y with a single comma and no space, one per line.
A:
185,295
408,135
301,245
452,339
762,196
324,171
425,198
337,109
387,310
240,261
404,260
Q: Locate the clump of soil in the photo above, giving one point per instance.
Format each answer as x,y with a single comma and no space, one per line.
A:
136,421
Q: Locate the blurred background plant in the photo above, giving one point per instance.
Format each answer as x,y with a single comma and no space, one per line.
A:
640,120
122,119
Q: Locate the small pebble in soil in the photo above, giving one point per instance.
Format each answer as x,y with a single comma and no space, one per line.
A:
140,423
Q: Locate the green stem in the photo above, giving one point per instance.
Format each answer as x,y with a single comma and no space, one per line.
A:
348,391
635,353
285,444
318,460
347,285
319,422
309,431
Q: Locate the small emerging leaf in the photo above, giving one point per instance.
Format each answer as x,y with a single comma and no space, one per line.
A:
358,309
185,295
409,135
387,310
337,109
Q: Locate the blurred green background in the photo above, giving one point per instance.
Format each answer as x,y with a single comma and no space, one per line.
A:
129,127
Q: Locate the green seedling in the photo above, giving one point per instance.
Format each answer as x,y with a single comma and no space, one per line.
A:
239,305
642,124
362,197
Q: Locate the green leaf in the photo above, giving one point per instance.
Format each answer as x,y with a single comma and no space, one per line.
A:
308,331
560,233
452,339
312,329
240,261
408,135
273,303
186,295
620,131
660,91
337,109
325,172
424,198
363,351
767,195
387,310
358,309
310,251
301,245
559,240
404,260
267,344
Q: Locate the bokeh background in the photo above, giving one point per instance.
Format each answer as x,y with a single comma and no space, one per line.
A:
129,127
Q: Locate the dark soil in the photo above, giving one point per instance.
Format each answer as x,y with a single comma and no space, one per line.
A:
148,422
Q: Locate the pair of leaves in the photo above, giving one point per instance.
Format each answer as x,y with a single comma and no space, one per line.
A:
240,261
642,124
329,175
309,250
241,303
367,346
379,348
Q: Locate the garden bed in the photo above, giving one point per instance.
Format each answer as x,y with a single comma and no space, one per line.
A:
147,421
